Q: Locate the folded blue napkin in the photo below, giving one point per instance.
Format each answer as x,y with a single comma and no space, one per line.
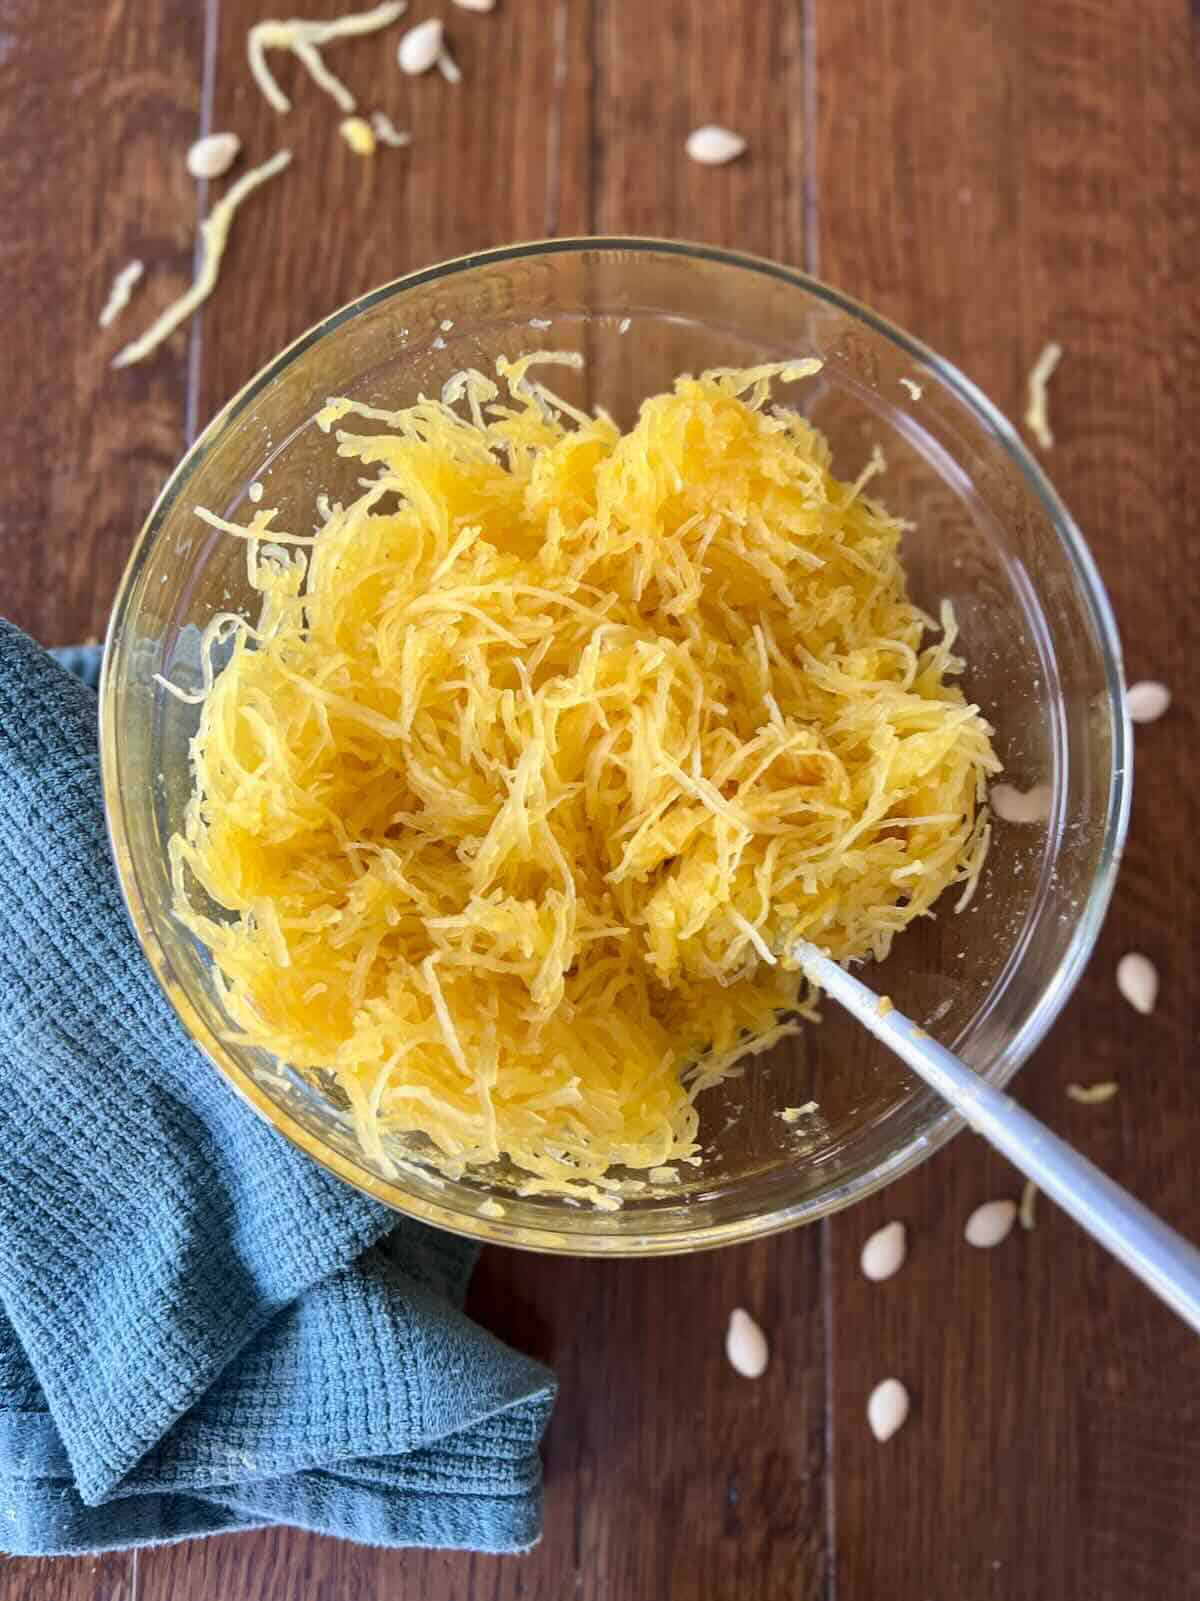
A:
201,1330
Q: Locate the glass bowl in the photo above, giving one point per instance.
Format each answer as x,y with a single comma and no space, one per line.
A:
989,533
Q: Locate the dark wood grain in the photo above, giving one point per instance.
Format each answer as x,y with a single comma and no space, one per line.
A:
991,176
1001,176
92,1578
98,102
664,69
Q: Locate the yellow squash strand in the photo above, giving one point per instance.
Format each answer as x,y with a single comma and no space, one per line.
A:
548,747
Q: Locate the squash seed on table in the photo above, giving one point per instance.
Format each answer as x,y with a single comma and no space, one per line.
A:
712,146
990,1224
887,1408
212,156
420,47
1147,701
746,1345
883,1254
1137,980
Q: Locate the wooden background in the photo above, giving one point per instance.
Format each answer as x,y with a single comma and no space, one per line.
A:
991,173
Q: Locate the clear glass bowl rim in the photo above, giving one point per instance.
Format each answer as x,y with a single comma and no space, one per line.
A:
1055,989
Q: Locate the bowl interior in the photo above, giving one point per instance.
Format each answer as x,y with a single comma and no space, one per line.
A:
987,534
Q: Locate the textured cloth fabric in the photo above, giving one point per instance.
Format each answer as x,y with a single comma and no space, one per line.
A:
201,1330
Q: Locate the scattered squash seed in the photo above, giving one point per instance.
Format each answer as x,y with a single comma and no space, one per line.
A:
884,1252
746,1345
1147,701
420,47
212,156
1137,980
712,146
887,1408
990,1223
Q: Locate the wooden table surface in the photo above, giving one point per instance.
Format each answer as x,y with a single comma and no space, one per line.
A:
990,173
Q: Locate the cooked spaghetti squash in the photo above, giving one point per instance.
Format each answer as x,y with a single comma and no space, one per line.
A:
544,750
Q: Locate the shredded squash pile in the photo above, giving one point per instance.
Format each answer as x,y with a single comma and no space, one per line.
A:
538,759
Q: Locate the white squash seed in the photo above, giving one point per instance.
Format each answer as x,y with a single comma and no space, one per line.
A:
713,146
212,156
746,1345
990,1223
1147,701
476,5
1013,805
887,1408
1137,980
884,1253
420,47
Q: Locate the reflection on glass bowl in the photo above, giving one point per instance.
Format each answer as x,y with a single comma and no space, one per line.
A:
988,533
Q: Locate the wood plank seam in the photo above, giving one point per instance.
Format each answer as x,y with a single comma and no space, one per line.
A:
208,89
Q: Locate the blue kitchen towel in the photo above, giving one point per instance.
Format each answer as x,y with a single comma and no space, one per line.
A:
201,1330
